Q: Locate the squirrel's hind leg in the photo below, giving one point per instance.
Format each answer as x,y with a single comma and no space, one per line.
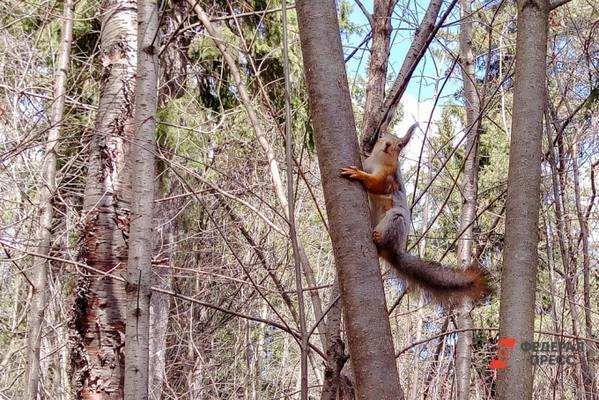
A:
391,233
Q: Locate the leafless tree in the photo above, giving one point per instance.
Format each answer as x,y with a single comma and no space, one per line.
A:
139,261
368,331
47,192
520,258
470,194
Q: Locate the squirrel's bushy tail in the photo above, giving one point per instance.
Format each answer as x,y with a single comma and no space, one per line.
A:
445,285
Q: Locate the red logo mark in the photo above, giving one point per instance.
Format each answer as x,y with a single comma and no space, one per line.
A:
504,345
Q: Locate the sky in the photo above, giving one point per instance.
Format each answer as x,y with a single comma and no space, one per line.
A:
422,83
418,100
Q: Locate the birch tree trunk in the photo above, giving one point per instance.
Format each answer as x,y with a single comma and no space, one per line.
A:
469,192
360,283
48,188
101,301
139,267
520,256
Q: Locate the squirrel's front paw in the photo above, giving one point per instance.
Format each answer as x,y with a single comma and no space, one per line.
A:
377,238
350,172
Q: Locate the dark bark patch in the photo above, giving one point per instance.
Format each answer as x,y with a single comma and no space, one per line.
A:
530,4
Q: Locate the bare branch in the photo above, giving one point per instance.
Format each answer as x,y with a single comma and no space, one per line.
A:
366,13
557,3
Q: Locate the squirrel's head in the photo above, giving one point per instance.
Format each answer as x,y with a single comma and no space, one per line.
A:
392,145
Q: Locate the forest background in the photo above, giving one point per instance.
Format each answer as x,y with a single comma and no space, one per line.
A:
242,306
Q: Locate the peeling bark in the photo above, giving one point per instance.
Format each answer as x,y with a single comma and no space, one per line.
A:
99,320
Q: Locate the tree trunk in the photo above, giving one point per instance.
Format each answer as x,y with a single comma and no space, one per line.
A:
139,267
589,371
382,116
368,330
434,367
48,188
293,236
519,272
568,261
165,218
379,60
469,192
173,73
101,301
336,357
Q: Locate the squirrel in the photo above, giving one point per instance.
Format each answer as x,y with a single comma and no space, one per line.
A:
391,216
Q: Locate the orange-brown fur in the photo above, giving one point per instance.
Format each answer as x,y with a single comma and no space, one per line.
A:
388,201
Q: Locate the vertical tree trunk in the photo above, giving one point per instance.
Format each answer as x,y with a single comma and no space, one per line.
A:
568,261
48,187
101,301
434,367
336,357
590,375
173,73
469,192
520,256
165,217
291,214
379,60
368,330
139,267
382,116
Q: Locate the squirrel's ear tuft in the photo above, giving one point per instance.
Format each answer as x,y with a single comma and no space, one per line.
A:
406,138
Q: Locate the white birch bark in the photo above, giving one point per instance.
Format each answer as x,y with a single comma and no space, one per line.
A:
99,337
139,267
